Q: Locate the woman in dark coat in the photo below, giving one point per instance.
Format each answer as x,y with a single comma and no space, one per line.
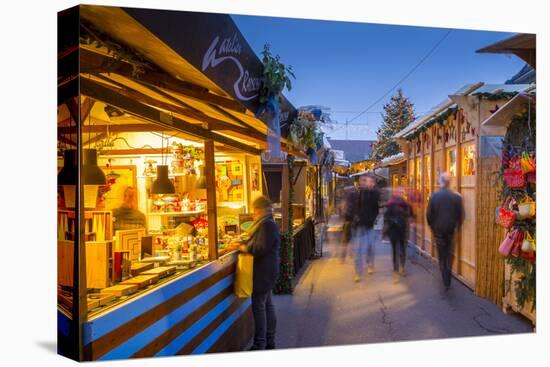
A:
396,226
263,243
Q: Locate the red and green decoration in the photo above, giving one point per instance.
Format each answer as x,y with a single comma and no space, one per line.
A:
439,119
517,213
398,114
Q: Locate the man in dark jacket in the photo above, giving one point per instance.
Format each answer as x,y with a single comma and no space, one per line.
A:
264,244
445,214
362,208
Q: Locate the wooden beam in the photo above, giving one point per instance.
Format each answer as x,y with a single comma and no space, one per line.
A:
137,151
66,140
106,95
93,62
67,89
116,128
95,138
183,109
86,109
210,175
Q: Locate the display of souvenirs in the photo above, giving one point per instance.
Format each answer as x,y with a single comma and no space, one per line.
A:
176,204
201,226
518,210
229,180
150,170
185,159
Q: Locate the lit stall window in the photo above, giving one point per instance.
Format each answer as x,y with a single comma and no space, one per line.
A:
451,162
428,182
468,160
418,174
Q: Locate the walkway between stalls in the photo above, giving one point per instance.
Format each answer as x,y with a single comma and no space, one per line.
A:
328,308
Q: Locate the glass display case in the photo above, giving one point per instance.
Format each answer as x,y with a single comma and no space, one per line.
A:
146,222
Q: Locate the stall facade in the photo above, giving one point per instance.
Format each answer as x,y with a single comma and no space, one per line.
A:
447,139
161,160
396,166
510,278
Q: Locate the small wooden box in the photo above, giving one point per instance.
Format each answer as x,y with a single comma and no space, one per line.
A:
138,268
161,271
120,289
102,298
92,303
142,281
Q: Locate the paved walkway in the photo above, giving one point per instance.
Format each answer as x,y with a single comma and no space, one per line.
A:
328,308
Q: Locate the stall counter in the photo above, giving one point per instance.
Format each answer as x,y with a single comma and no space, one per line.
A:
195,313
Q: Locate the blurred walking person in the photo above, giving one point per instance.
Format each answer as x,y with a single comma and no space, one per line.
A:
263,243
396,227
346,227
362,208
445,214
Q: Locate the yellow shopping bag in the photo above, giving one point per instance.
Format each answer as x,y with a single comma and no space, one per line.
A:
243,275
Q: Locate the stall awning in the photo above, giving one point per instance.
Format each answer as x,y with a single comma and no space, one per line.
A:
393,160
498,122
197,69
433,112
523,46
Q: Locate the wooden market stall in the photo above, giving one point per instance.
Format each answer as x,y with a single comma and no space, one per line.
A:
278,188
512,282
512,279
447,139
161,161
396,166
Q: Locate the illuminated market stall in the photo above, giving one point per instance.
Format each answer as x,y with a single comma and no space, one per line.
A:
159,162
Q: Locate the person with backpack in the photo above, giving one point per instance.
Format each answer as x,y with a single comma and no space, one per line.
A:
396,226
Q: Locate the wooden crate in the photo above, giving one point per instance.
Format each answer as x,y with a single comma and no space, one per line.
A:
142,281
97,264
129,240
161,271
138,268
120,289
102,298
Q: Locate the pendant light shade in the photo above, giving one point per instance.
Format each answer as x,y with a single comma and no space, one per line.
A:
91,173
68,177
163,184
69,173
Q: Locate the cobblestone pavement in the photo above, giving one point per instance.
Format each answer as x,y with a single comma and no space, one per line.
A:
328,308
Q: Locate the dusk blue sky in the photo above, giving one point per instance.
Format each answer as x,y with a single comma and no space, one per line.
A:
347,66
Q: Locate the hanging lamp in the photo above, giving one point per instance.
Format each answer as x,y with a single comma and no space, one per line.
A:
68,177
92,177
162,185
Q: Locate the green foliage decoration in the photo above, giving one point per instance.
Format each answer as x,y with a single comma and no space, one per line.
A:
276,76
286,272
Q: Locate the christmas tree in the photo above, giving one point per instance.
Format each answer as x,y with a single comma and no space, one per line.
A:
398,113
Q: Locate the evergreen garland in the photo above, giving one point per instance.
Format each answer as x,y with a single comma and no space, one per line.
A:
276,76
286,272
398,114
440,119
495,96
